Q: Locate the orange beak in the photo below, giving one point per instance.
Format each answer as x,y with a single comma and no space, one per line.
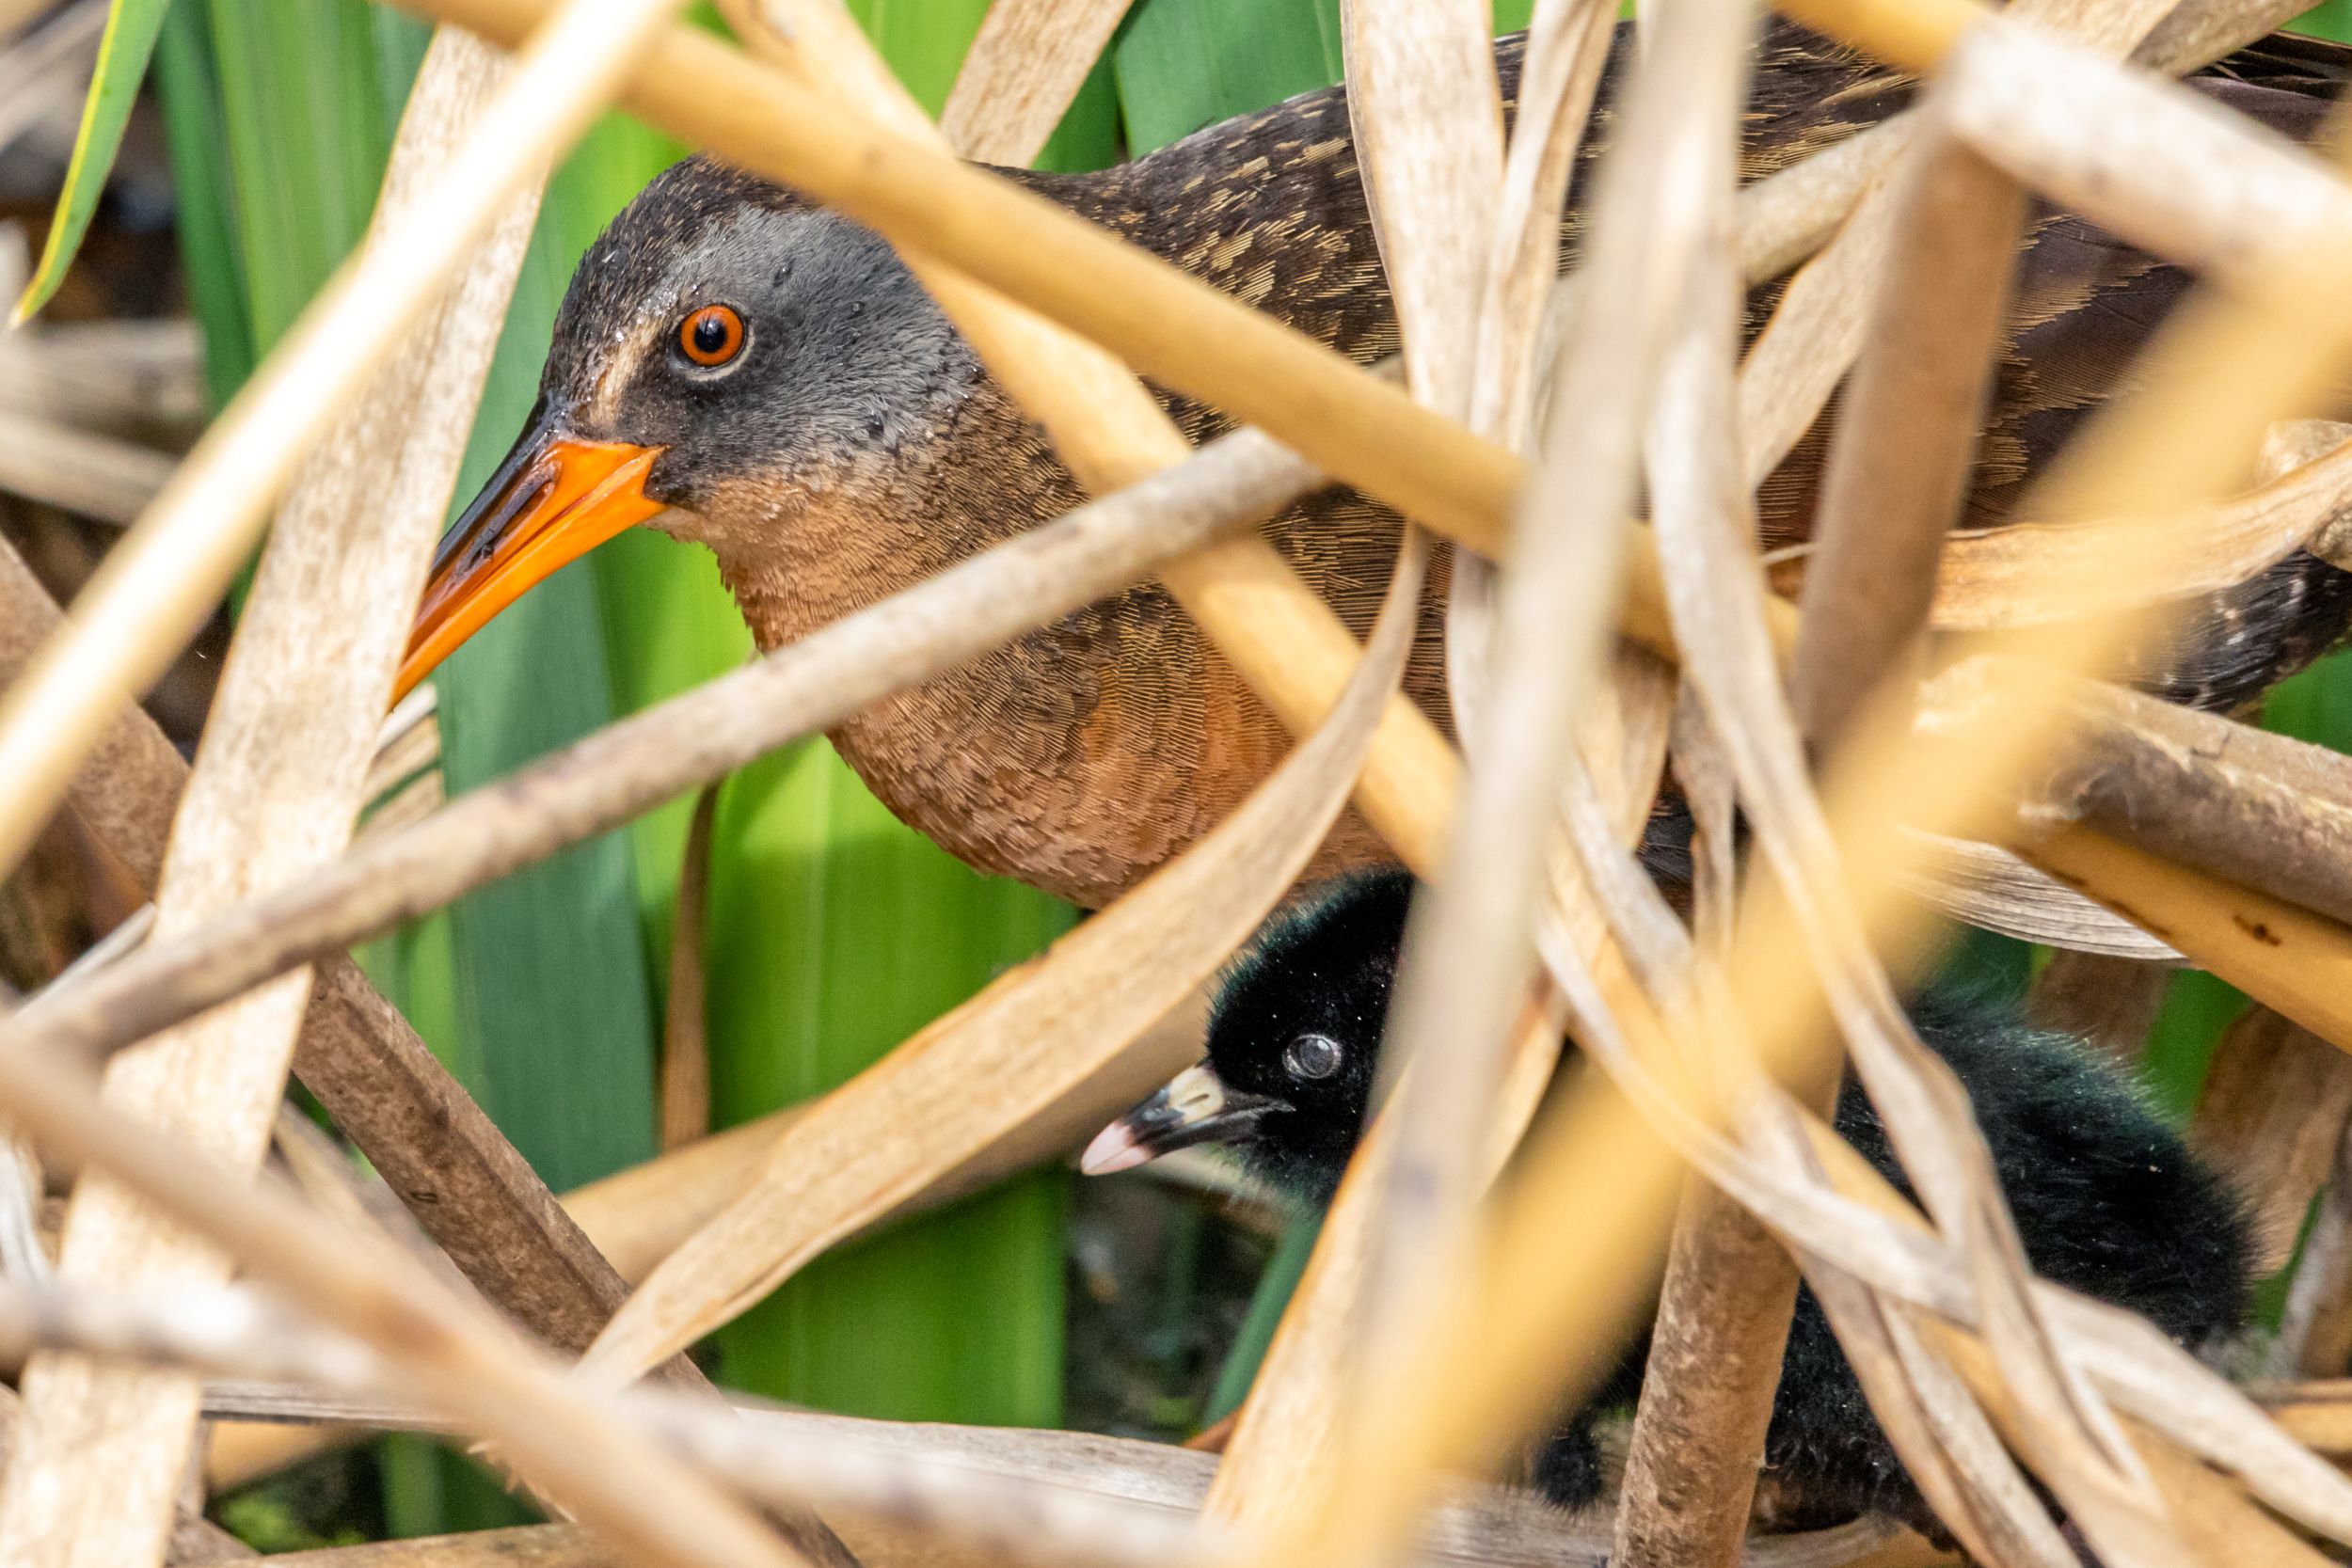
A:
551,502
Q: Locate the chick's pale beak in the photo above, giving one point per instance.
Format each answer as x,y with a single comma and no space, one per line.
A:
551,502
1196,1107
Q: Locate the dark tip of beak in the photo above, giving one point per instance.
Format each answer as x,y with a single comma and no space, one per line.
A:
554,499
1196,1107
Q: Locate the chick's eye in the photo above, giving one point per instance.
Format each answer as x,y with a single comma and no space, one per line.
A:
712,336
1311,1056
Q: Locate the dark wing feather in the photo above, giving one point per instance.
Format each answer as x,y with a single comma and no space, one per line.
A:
1268,207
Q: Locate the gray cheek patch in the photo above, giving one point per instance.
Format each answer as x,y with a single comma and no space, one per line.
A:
847,354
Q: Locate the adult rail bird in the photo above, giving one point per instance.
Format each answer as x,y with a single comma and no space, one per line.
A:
745,370
2108,1200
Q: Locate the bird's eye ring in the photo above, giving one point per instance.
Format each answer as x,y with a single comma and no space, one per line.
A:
712,336
1311,1056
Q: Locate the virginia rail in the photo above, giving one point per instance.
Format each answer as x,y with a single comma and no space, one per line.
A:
745,370
2108,1200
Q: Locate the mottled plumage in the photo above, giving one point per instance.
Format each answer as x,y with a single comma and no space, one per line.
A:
858,447
2108,1200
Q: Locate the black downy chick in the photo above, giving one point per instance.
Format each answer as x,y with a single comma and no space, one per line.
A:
2107,1198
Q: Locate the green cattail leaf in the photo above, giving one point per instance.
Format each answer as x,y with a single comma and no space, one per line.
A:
303,95
123,49
187,88
2330,21
1276,1285
835,933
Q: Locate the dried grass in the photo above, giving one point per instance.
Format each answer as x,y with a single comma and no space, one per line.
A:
1982,1373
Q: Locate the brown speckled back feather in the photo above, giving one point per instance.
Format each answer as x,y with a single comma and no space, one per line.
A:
1087,752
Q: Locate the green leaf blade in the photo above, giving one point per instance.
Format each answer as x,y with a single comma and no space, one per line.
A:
123,51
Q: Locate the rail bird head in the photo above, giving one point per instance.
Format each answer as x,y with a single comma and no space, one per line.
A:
726,357
1294,1043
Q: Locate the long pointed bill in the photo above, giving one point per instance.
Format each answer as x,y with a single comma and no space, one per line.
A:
1196,1107
551,502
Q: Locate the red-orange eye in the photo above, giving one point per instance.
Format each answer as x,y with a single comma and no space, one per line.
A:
712,335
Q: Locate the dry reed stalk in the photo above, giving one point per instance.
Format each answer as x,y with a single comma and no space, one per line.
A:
1474,1528
1467,961
83,26
638,1216
1707,1395
122,377
464,1184
2195,31
1713,1369
1898,471
2272,1114
622,1225
967,1492
1421,1175
518,1546
1818,328
1287,1439
1427,121
41,77
1567,47
1815,332
2003,576
1985,885
1898,465
2222,1526
1653,215
2207,456
780,1465
2218,925
1715,589
453,1354
1914,37
2317,1414
464,1181
1426,111
2315,1326
1728,1357
59,464
193,1538
274,794
2208,793
1789,216
1472,1391
2132,154
684,1069
1025,65
126,792
2145,1373
323,1172
156,588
